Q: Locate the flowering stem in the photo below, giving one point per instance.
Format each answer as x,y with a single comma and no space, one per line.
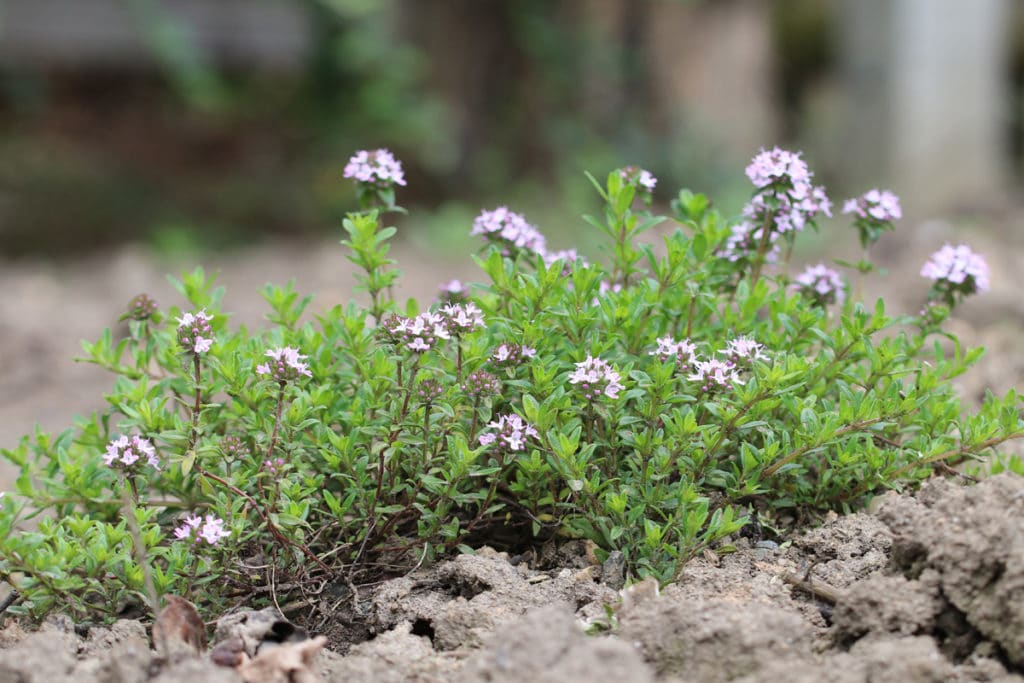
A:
198,405
689,315
458,359
473,423
129,508
277,420
191,576
426,434
134,489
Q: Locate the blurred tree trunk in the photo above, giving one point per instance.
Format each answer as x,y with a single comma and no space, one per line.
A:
927,97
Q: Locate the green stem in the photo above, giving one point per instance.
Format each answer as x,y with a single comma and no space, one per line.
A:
762,248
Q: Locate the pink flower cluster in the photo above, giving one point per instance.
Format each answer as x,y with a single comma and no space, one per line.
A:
820,284
462,317
957,270
419,334
568,257
638,176
786,198
682,352
378,168
744,350
453,292
714,374
141,307
128,450
286,365
743,241
594,377
194,528
273,466
512,355
481,384
879,205
194,332
509,230
511,433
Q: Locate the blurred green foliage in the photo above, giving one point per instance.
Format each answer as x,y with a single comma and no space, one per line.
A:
473,97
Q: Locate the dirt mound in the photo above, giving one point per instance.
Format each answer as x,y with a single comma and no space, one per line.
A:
931,588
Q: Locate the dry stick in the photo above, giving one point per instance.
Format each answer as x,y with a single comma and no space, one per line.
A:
11,598
815,588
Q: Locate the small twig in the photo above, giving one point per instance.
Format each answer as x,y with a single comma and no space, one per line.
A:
11,598
273,588
815,588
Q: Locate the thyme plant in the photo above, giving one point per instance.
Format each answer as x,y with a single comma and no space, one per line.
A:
652,403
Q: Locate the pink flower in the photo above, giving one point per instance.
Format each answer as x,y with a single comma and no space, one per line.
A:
682,352
568,257
786,198
125,451
213,530
956,272
453,292
193,528
509,230
463,317
378,168
744,240
821,284
879,205
714,374
744,349
287,365
956,265
594,377
638,176
188,527
512,355
195,334
511,433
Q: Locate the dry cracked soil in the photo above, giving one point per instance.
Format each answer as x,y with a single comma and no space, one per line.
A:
928,587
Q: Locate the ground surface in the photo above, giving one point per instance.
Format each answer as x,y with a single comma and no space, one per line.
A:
927,588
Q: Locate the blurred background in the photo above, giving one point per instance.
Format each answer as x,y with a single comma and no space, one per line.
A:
141,136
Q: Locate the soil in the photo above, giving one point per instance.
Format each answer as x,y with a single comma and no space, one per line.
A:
927,587
930,587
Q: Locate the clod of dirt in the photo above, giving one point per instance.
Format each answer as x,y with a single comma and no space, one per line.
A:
714,640
285,663
548,646
44,657
884,605
846,549
459,603
973,538
393,657
193,670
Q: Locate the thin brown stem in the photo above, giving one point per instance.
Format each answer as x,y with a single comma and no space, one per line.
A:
265,518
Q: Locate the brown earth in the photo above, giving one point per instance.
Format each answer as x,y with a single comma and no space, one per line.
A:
928,588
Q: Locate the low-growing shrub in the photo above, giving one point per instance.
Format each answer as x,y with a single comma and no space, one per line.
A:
652,404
